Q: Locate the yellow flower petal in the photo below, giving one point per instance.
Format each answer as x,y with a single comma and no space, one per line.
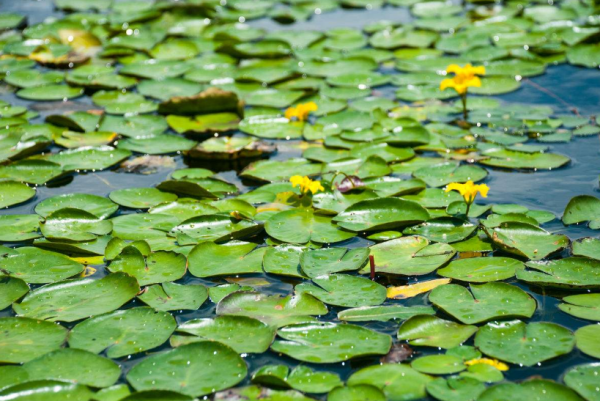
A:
487,361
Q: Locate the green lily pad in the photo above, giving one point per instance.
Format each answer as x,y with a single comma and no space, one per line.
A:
37,266
524,344
505,158
98,158
481,270
573,272
455,388
242,334
74,365
274,170
319,262
157,145
487,302
158,267
337,202
272,309
12,193
381,214
123,332
329,342
209,259
383,313
443,229
372,166
398,381
117,102
431,331
31,171
25,339
215,227
409,256
143,226
74,225
583,208
583,379
299,226
526,240
438,364
212,367
94,204
72,300
155,69
12,289
171,296
141,198
586,339
50,92
49,390
134,126
283,260
344,290
19,227
442,174
583,306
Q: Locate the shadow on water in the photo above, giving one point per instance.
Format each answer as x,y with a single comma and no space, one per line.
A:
563,87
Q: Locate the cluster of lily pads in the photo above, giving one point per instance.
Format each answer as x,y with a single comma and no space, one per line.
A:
384,260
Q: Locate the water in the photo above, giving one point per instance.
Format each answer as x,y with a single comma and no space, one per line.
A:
563,87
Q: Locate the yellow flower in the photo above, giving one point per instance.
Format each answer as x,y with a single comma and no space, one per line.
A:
487,361
464,77
301,111
468,190
306,184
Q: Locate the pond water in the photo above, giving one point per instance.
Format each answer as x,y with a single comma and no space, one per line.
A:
565,88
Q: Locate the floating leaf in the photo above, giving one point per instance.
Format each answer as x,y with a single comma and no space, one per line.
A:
582,378
209,259
586,339
481,270
171,296
412,290
526,240
299,226
524,344
487,302
212,367
74,365
583,208
94,204
383,313
397,381
583,306
123,333
573,272
12,193
74,225
329,343
242,334
381,214
273,310
409,256
432,331
72,300
19,227
25,339
344,290
320,262
36,266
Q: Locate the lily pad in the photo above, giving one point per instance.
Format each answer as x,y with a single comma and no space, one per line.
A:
383,313
299,226
31,171
582,379
74,365
171,296
432,331
37,266
583,306
583,208
141,198
212,367
123,332
25,339
88,158
443,229
74,225
399,382
481,270
242,334
455,388
12,193
12,289
272,309
209,259
19,227
573,272
526,240
487,302
524,344
215,227
329,342
443,364
381,214
321,262
68,301
586,339
94,204
49,390
158,267
344,290
409,256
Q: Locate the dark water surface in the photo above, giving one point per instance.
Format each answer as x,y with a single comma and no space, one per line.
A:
563,87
